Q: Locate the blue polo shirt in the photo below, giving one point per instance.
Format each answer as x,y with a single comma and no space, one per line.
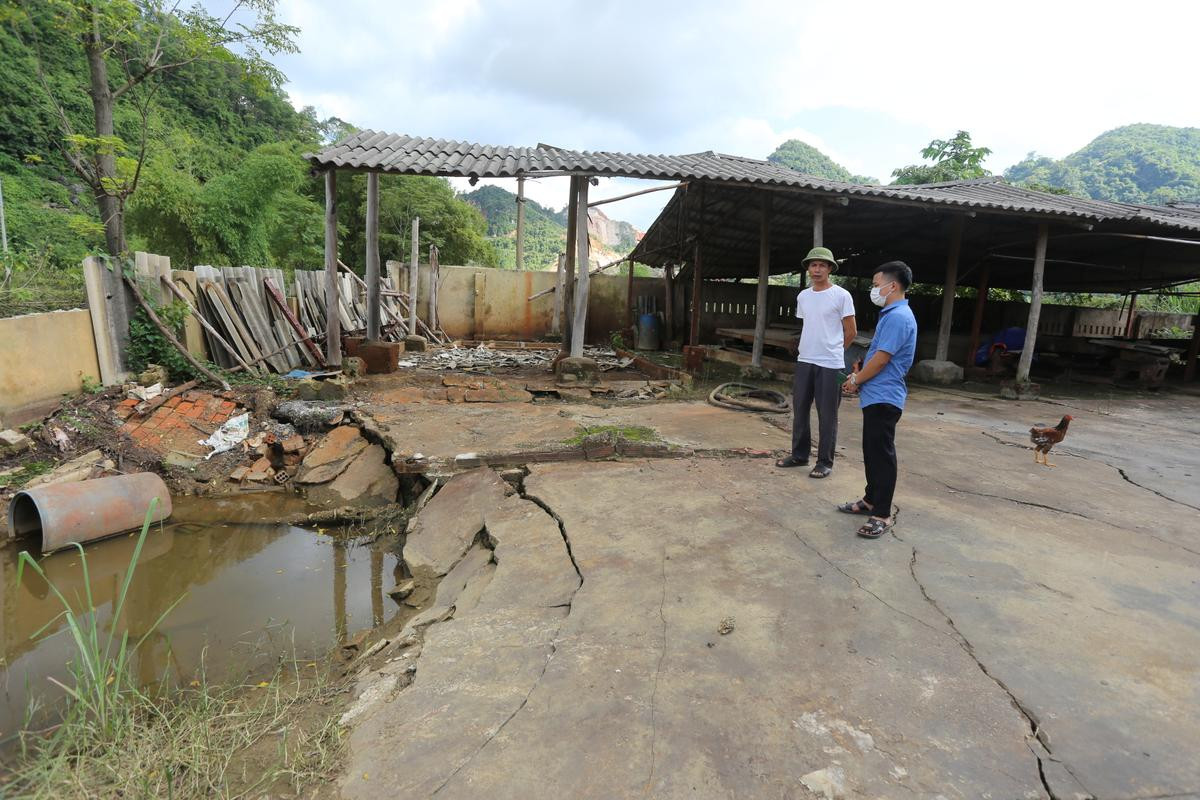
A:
895,333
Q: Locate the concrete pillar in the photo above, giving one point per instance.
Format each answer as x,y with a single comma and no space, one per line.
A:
1193,353
948,289
579,322
764,273
977,319
414,276
1035,304
373,299
333,323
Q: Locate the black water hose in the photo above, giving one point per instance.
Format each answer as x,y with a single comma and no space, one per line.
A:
744,397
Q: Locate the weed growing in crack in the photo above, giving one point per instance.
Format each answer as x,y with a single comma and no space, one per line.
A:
630,433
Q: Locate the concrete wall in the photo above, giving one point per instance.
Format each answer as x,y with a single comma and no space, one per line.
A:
481,303
43,356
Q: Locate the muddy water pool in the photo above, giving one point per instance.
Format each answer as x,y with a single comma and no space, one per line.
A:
249,593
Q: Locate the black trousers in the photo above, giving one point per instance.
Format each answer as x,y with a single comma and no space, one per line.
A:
879,455
822,385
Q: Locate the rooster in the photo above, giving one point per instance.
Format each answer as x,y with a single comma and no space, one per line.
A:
1045,437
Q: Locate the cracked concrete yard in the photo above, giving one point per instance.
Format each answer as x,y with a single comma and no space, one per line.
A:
1025,632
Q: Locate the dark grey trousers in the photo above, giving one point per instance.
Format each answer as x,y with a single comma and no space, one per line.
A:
821,384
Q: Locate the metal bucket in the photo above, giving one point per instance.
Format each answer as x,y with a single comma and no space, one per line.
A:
87,510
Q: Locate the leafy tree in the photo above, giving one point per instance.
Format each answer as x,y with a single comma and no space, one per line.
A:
456,227
141,42
545,229
235,218
1153,164
805,158
953,160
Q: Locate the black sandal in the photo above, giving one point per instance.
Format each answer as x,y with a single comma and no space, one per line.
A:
874,528
790,461
856,507
820,471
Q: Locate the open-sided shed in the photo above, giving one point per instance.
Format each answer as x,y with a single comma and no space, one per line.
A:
733,217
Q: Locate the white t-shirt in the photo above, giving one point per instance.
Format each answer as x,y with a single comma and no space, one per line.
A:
822,338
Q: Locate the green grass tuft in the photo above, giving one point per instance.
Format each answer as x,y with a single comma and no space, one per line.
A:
630,433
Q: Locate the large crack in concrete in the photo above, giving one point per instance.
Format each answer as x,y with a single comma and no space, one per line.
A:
1130,480
662,656
1067,512
1120,471
1031,719
963,643
553,640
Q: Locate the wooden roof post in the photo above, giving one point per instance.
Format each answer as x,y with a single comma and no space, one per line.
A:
818,235
1193,353
1131,320
333,323
521,222
697,297
669,302
697,277
559,288
1035,304
951,284
435,275
579,323
569,265
413,275
764,275
372,256
629,298
977,320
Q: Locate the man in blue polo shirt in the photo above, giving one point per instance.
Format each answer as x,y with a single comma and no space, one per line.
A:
882,392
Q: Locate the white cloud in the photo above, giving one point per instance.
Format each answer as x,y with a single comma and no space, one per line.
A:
869,83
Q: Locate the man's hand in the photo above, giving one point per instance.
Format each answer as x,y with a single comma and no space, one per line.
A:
851,384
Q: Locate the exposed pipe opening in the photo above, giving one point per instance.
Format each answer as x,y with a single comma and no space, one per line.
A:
24,518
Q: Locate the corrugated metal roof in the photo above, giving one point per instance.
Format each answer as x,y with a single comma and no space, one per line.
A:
385,152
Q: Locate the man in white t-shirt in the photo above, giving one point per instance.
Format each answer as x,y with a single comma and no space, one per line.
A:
829,329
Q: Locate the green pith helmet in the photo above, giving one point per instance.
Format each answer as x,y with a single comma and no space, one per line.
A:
821,254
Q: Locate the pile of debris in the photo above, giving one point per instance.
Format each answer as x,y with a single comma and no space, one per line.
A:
497,358
275,458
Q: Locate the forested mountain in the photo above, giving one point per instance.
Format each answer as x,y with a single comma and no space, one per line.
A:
546,230
223,180
805,158
1152,164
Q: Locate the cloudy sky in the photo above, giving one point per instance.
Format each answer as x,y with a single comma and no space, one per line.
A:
867,82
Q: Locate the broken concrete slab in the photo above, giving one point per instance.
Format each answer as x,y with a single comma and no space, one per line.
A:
310,415
459,589
481,606
328,389
331,455
354,367
366,481
81,468
13,442
508,394
943,660
533,565
449,523
415,344
572,371
936,373
380,357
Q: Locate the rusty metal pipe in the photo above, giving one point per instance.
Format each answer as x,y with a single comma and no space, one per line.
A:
87,510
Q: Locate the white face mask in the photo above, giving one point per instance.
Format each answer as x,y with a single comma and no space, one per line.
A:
878,297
